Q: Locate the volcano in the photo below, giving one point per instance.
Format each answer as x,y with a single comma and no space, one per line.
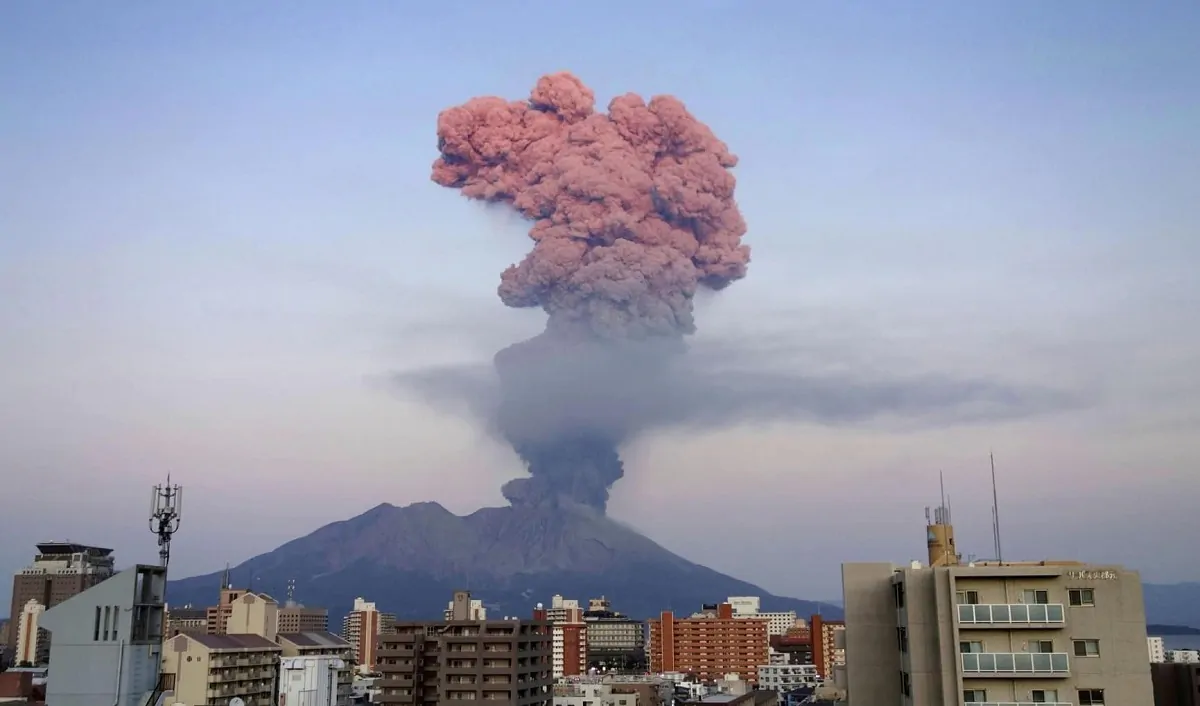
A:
410,559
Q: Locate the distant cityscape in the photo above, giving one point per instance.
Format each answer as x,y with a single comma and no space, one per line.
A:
940,633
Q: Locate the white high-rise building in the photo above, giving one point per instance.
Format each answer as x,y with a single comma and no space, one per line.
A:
1158,652
361,628
778,623
1184,656
29,647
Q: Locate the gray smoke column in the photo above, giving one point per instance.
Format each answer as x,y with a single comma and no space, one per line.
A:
632,211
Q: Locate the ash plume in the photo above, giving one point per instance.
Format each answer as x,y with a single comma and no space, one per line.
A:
632,211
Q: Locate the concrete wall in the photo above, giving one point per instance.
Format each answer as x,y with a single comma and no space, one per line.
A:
872,657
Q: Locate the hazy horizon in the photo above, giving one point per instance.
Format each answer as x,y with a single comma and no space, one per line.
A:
219,243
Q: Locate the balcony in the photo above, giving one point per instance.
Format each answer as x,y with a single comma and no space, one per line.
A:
1015,664
1012,615
1023,703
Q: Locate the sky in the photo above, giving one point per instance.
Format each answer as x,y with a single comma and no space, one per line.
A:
218,239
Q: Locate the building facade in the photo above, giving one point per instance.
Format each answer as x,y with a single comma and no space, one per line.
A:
311,681
1176,684
217,616
995,632
786,677
323,644
59,571
1158,650
106,645
501,661
361,628
186,621
297,618
778,622
827,656
211,670
32,647
569,639
710,644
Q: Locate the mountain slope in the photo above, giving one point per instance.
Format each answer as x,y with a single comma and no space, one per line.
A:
410,559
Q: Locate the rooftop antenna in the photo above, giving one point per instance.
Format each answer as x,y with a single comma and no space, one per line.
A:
995,510
291,591
225,578
166,507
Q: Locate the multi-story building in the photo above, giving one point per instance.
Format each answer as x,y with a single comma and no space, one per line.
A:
362,627
476,611
60,571
217,616
295,618
1157,649
614,642
569,639
827,656
1007,632
1183,656
502,661
560,608
32,648
323,644
187,621
207,670
1176,684
786,677
107,641
778,622
710,644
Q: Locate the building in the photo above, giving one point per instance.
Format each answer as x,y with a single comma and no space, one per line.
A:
323,644
361,628
614,642
295,618
787,677
476,611
1158,651
60,570
106,645
32,648
311,681
207,670
1176,684
949,633
217,616
569,645
710,644
827,656
253,614
187,621
778,622
502,661
613,690
1183,656
793,647
560,608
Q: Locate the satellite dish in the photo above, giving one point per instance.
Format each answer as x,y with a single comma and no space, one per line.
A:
237,701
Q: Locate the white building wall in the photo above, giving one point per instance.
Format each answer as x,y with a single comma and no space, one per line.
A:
1184,656
27,635
309,681
1158,652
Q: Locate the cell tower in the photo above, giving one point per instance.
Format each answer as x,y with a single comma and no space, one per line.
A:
166,508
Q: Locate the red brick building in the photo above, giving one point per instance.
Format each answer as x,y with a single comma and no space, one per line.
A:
825,653
710,644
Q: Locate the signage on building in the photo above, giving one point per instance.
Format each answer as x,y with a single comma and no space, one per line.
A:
1105,575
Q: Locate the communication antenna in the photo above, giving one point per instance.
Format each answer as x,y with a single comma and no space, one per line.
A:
291,591
995,511
166,508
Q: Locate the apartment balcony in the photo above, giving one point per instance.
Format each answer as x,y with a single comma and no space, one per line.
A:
1006,665
1012,615
1024,703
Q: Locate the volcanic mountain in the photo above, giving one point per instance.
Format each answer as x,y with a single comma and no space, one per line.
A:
410,559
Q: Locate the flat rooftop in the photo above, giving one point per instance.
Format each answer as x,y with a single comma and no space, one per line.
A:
71,548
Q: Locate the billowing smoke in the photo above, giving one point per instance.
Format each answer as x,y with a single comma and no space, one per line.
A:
632,211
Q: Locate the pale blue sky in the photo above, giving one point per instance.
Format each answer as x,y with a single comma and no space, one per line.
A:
217,232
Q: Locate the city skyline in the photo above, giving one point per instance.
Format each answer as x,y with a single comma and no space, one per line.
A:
218,239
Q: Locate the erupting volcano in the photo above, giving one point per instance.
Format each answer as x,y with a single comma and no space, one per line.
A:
632,211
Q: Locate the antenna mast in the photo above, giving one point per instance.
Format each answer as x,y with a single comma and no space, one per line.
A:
166,508
995,510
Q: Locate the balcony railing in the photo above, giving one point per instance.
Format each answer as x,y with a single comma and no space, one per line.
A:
1031,663
1009,614
1023,703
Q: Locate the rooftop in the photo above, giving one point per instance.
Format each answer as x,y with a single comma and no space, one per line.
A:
71,548
256,643
313,639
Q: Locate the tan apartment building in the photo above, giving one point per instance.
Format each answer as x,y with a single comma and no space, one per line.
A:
313,644
210,670
59,571
218,615
993,632
297,618
710,644
506,662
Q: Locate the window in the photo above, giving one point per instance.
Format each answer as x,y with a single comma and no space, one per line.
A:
974,696
116,615
898,594
1091,697
967,597
1041,646
107,617
1087,648
905,684
1030,595
96,627
1044,696
970,647
1081,596
902,639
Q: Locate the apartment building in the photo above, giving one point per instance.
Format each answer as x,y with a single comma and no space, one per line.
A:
991,632
107,641
361,628
59,571
778,622
187,621
614,641
295,618
786,677
827,656
475,611
1157,649
568,639
211,670
323,644
32,647
217,616
1176,684
710,644
503,661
